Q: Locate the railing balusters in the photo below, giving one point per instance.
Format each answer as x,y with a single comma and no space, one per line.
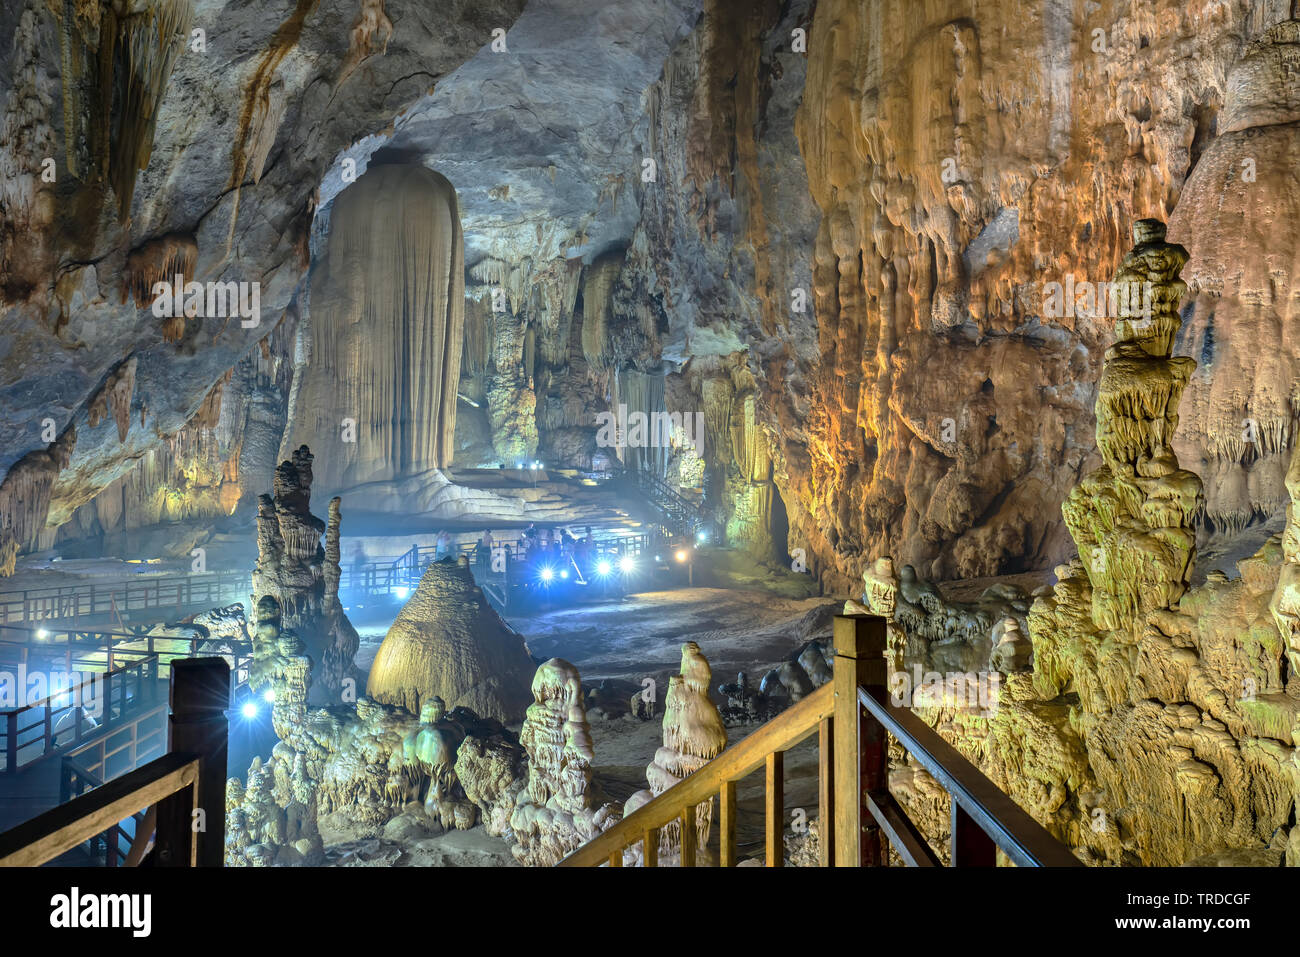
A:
826,792
775,801
650,850
688,835
969,846
727,824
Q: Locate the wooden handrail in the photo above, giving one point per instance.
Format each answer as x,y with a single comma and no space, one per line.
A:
858,817
62,828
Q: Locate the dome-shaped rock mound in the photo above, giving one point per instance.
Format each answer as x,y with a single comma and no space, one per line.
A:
449,642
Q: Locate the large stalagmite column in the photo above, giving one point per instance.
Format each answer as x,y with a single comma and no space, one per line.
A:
1132,517
385,331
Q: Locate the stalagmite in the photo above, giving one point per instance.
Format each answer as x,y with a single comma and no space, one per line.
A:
449,642
560,809
1132,517
694,734
294,569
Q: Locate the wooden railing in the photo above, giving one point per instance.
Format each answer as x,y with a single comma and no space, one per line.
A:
852,716
185,788
119,695
116,842
89,600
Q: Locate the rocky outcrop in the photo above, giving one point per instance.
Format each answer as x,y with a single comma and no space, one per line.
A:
448,642
1155,727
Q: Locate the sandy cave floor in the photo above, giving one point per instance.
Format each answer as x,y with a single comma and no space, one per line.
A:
616,645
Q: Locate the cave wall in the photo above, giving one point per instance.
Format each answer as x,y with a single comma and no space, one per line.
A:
963,155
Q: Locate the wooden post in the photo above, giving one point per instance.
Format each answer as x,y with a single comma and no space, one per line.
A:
861,753
688,835
650,847
200,695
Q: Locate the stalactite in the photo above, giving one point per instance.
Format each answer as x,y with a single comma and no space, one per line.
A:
597,299
644,394
110,111
387,328
477,353
150,42
268,113
160,260
370,35
115,399
209,411
25,496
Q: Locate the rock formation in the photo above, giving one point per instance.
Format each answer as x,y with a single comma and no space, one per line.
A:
386,326
694,734
1132,517
1155,727
560,809
449,642
293,569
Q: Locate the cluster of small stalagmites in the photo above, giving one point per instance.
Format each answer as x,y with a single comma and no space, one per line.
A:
1132,518
791,681
559,809
919,616
492,770
302,577
373,770
271,820
694,734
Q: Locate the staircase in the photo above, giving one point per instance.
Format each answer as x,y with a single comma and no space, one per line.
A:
677,514
859,820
